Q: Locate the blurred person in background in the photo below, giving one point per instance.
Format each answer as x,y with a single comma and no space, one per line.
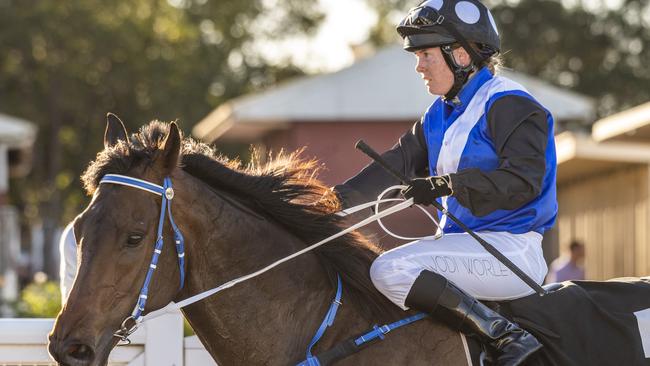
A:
568,267
485,150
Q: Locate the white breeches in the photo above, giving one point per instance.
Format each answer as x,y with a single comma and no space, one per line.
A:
463,261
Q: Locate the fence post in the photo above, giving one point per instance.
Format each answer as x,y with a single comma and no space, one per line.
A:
164,341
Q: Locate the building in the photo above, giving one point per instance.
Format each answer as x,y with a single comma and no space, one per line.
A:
16,139
376,99
604,191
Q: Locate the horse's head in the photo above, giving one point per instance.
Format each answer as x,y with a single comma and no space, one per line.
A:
116,235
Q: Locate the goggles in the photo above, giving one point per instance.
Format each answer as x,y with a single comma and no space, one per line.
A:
422,16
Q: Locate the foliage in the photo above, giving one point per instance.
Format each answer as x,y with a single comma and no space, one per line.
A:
187,328
600,52
604,55
39,300
65,64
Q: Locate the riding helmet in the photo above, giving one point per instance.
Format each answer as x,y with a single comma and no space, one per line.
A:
443,23
434,23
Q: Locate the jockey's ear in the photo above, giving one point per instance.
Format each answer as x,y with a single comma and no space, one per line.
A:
171,148
115,131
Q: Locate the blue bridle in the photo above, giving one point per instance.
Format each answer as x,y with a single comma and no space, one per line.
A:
167,193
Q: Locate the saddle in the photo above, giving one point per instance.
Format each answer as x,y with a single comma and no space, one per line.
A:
582,323
579,322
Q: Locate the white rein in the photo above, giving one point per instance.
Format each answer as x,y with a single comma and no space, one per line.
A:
173,307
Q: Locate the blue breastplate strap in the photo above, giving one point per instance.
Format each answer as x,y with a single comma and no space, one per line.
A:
327,322
380,332
350,346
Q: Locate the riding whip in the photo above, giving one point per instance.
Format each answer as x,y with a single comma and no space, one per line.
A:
363,147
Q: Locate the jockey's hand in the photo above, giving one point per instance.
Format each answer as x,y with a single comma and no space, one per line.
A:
425,190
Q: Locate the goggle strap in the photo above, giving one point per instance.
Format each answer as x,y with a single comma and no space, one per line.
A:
425,12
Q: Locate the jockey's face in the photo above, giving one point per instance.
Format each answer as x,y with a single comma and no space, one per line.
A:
434,71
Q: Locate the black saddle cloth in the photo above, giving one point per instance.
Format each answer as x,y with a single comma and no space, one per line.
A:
588,323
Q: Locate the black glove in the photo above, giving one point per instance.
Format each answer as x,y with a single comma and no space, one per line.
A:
425,190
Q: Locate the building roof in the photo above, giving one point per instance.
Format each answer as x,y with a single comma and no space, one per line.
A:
630,125
615,141
383,87
580,156
15,132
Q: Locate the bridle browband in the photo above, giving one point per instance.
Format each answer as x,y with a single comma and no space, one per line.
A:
167,193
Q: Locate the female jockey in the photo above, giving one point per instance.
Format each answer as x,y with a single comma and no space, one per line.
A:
485,149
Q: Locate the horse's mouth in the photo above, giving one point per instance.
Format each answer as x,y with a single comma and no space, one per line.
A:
104,350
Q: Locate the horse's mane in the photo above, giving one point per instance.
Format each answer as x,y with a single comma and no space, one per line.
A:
284,189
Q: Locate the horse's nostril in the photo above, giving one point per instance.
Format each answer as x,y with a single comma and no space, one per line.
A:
80,352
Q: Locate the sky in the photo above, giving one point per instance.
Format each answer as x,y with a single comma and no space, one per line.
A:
346,22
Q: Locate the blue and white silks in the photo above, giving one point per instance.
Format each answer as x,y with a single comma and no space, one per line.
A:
458,138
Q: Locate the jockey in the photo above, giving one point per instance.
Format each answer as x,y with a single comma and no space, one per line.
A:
485,150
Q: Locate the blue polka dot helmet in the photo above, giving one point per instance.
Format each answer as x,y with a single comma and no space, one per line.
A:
435,23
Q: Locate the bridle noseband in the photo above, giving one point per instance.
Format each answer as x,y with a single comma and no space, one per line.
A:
130,324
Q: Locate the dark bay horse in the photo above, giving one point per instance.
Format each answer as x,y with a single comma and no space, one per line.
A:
235,221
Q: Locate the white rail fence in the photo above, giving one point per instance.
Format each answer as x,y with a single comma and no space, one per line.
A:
160,342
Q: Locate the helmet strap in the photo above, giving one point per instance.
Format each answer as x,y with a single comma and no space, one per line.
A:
461,73
475,56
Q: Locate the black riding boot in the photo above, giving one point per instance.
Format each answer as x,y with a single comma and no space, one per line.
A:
468,315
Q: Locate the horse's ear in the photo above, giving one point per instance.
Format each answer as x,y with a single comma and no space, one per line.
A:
171,148
115,131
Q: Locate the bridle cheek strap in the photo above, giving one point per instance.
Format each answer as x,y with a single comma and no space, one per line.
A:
167,193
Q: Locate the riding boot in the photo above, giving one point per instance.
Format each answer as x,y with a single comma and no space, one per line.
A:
466,314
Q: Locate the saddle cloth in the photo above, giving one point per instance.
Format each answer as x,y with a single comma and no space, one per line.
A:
584,323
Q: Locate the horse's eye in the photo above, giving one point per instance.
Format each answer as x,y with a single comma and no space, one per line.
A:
134,240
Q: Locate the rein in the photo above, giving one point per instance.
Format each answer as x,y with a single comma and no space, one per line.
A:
172,307
131,323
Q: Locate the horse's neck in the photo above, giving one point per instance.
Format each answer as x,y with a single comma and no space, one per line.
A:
268,319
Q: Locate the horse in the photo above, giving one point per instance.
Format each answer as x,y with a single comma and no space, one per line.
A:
235,220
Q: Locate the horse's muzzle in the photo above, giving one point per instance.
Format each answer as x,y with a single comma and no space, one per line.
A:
71,352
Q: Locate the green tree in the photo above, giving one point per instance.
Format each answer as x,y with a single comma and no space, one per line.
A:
64,64
39,300
601,52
